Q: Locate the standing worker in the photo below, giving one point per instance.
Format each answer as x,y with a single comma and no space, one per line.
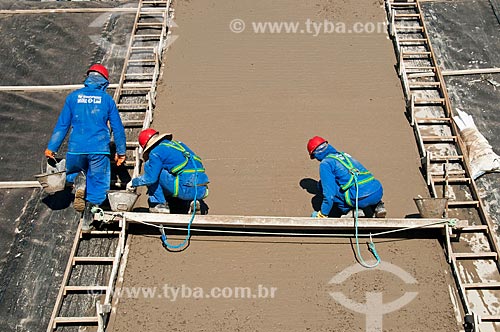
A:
86,114
171,170
342,180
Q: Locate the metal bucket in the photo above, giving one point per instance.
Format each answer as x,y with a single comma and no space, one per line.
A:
122,200
54,178
431,207
52,183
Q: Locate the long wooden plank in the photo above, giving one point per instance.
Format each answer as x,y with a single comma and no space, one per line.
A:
90,259
490,318
64,87
483,285
475,255
265,222
75,320
470,71
19,184
68,10
88,289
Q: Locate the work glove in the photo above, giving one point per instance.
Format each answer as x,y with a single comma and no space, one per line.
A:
129,187
120,159
318,214
50,154
51,158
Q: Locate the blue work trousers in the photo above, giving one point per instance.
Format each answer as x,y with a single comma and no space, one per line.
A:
363,202
340,203
166,187
97,168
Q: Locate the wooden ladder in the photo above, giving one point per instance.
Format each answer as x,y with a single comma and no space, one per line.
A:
136,92
70,281
135,98
442,150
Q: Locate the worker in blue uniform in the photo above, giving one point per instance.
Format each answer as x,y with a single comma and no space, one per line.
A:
86,114
171,170
340,177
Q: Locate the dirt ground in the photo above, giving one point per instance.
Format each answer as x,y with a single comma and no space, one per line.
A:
247,103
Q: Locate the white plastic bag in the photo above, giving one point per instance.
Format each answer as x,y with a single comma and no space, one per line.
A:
482,158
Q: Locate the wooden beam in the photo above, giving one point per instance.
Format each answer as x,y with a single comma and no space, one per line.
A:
41,88
258,222
471,71
19,184
35,88
440,0
68,10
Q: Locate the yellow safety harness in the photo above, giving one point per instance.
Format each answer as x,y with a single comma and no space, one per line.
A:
181,168
362,177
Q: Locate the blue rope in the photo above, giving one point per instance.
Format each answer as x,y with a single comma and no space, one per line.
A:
164,240
371,245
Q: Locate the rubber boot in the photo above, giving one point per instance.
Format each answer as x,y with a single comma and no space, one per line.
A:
352,214
159,208
380,211
88,216
198,207
80,184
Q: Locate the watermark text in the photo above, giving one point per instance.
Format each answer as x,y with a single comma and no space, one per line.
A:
175,293
308,27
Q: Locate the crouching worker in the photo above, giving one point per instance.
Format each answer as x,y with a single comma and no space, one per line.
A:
340,177
171,171
85,115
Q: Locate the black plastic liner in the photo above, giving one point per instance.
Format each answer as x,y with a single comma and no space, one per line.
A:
37,230
466,35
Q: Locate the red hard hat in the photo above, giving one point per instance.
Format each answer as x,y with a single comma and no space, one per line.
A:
146,135
314,143
99,69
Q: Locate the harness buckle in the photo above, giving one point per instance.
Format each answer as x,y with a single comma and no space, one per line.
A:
354,171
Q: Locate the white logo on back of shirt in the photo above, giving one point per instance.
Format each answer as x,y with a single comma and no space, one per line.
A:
83,99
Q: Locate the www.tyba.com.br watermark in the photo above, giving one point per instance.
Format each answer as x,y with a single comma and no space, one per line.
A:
175,293
307,27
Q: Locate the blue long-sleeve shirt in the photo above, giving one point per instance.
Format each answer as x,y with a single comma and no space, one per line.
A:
334,175
163,157
85,115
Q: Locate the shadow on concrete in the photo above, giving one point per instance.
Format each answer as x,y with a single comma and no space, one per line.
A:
59,200
312,187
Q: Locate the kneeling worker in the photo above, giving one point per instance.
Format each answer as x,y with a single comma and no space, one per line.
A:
171,169
339,175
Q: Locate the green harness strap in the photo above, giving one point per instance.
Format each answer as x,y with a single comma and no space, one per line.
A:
179,169
343,159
